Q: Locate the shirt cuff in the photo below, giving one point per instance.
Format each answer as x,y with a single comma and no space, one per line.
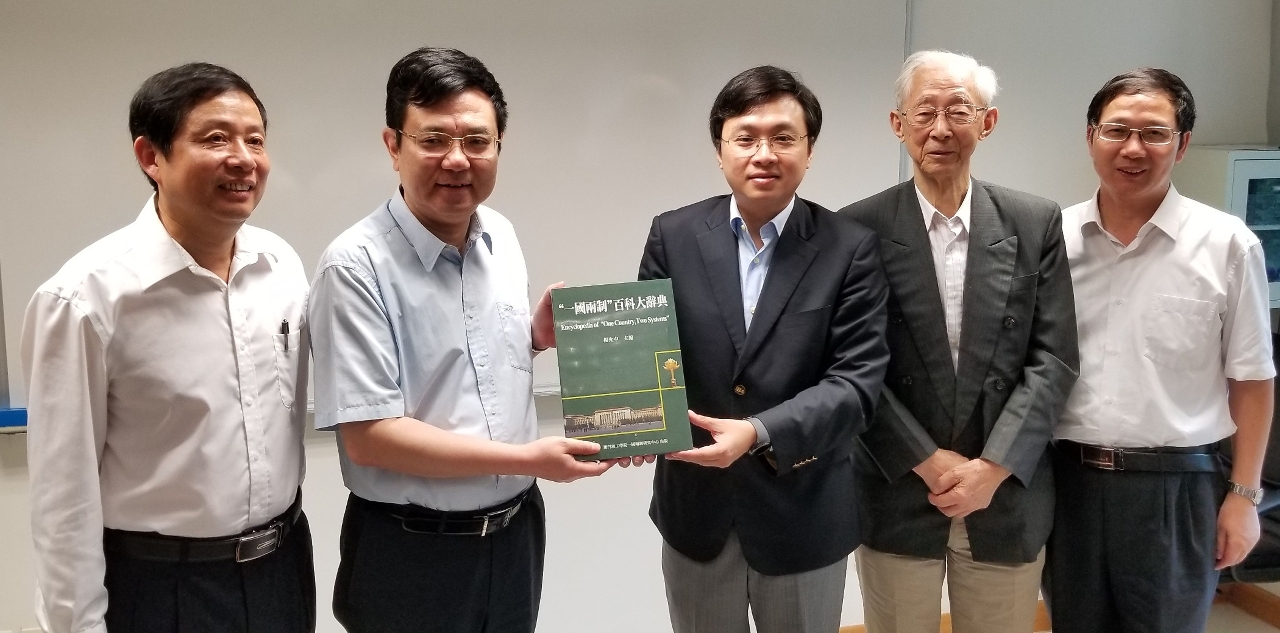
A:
762,433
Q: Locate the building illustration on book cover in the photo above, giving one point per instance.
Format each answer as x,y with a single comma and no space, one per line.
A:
621,373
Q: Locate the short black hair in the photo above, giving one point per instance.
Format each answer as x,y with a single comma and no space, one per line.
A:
760,85
429,75
163,101
1146,81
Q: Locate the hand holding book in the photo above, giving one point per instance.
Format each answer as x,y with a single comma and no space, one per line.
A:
731,440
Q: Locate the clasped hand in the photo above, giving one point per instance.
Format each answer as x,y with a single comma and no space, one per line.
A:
959,486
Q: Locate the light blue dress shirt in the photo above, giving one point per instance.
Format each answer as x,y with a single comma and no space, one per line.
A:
403,324
753,267
753,263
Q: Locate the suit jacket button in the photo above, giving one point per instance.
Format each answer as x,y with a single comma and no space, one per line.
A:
999,384
740,390
1009,322
896,318
906,381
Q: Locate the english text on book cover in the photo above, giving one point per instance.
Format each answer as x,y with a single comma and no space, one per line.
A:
621,373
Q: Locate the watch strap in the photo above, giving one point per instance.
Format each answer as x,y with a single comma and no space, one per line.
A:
1254,495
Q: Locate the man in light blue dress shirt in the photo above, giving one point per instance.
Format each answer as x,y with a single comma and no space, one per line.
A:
424,344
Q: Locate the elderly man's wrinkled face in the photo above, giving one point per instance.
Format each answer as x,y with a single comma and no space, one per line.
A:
941,149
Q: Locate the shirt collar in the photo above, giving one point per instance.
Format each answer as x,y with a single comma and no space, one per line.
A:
779,221
1170,214
1168,217
928,211
424,242
162,256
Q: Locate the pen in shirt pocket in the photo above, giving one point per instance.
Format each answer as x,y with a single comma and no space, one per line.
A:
284,329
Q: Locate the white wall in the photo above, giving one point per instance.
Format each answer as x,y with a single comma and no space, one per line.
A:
1051,57
608,128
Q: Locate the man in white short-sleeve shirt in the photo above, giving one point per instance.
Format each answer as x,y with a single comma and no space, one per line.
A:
1175,355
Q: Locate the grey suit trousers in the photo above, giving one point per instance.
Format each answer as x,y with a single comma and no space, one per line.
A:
712,597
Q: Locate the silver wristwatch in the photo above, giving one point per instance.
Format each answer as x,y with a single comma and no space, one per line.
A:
1252,494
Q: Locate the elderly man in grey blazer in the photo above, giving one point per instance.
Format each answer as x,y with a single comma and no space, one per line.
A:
955,478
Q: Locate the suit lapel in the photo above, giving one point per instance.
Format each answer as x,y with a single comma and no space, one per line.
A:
908,262
988,271
719,248
791,258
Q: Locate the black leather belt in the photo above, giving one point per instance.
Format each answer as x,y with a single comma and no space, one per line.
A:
422,520
1166,459
252,544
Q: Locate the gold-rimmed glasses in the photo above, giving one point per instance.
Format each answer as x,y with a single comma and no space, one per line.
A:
958,114
437,144
1151,135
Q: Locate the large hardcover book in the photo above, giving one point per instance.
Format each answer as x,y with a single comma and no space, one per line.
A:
621,374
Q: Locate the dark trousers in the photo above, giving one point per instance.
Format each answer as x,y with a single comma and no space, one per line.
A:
392,581
1132,552
272,594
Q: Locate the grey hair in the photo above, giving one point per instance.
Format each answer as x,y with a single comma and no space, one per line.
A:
984,79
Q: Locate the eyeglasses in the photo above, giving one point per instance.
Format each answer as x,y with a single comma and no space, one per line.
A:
437,144
1151,135
778,143
958,114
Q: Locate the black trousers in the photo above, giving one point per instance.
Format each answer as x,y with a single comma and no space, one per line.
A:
272,594
1132,552
393,581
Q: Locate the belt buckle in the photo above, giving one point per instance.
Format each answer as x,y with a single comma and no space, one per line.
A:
258,544
1103,458
504,515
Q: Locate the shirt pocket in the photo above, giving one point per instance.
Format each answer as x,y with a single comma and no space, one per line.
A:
1179,333
515,330
287,354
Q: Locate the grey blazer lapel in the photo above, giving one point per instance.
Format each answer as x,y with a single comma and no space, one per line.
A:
988,271
908,262
719,248
791,259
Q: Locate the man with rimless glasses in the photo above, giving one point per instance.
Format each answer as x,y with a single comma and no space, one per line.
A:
781,313
424,344
956,479
1175,347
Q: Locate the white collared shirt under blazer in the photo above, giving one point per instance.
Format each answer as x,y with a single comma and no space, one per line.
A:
1163,323
949,244
161,399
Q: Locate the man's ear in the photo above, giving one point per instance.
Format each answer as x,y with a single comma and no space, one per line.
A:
391,139
148,156
989,119
1184,141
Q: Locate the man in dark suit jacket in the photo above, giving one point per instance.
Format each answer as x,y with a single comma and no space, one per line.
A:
781,307
983,353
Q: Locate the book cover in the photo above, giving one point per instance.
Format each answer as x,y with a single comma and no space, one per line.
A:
621,373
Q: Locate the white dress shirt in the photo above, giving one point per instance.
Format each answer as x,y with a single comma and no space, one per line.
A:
161,399
753,263
403,324
1163,323
949,243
